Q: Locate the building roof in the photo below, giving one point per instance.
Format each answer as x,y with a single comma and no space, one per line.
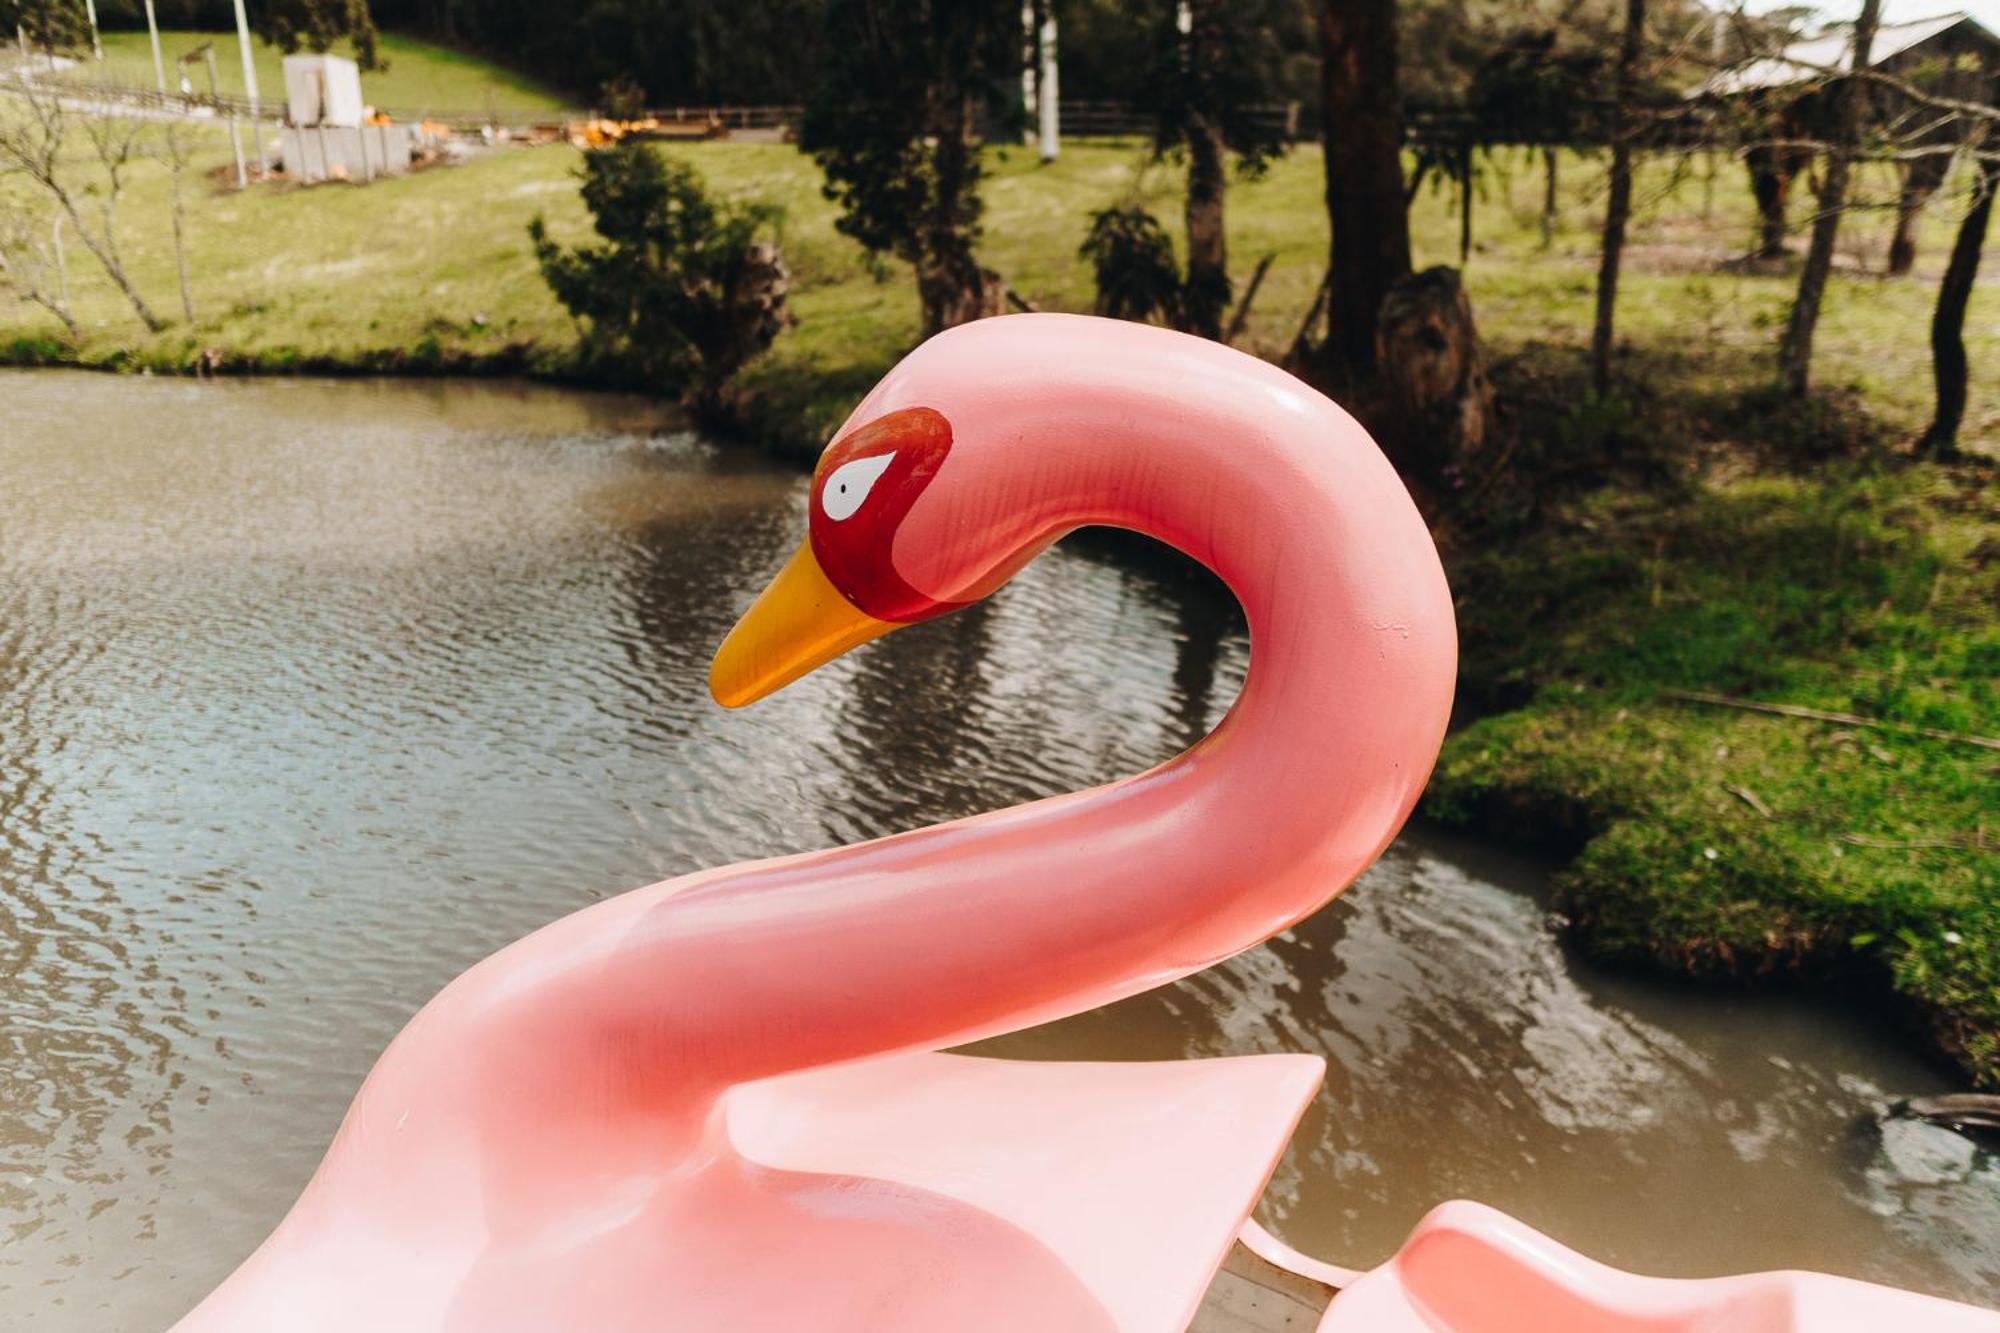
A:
1809,59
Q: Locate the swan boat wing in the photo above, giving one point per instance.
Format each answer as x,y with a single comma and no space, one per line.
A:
1139,1175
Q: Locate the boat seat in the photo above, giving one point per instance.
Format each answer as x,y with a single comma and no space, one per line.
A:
1137,1176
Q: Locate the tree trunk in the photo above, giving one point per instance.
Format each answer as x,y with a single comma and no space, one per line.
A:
1795,351
1771,174
177,165
1548,196
29,287
1948,363
950,284
106,255
1464,201
1206,299
1921,178
1618,208
1363,144
1435,376
61,312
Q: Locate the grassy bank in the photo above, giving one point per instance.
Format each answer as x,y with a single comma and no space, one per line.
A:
416,75
1681,538
434,271
1723,842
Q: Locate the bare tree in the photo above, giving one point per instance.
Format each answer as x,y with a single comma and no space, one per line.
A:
1208,80
1921,178
176,153
31,265
1618,208
1948,360
34,139
1795,351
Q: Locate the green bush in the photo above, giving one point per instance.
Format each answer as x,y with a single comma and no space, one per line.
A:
1132,258
682,293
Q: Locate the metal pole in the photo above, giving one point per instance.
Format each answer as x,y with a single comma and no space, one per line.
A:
1029,104
96,42
1051,117
159,68
249,84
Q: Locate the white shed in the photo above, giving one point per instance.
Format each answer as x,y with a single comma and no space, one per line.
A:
322,90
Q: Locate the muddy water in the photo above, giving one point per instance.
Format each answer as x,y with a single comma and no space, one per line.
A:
312,694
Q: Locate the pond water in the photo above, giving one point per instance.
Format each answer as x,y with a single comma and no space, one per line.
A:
312,694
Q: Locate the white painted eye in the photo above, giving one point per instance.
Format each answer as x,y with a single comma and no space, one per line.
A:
848,485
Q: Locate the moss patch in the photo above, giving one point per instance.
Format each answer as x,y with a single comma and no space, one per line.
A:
1715,841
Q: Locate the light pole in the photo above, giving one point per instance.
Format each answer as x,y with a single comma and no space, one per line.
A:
1038,75
1049,115
153,30
1030,64
249,83
96,42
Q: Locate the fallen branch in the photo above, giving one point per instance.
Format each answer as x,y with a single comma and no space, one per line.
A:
1976,841
1022,303
1296,353
1237,320
1824,715
1749,798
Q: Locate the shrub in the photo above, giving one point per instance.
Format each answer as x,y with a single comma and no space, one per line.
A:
682,293
1133,259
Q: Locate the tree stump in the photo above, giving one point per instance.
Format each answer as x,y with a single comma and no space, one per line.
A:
1427,353
958,294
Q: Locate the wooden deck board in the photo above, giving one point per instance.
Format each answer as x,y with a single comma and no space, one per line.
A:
1249,1295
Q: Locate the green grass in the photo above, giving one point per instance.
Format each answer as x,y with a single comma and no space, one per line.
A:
1715,841
363,274
419,76
1718,560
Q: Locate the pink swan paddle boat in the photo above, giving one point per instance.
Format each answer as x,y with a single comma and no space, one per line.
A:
717,1105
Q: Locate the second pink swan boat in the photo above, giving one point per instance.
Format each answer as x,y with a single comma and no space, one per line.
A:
716,1105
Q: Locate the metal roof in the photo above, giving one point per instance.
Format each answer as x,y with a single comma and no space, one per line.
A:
1804,61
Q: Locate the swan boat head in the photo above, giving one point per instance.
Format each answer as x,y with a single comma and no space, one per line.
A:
842,587
991,441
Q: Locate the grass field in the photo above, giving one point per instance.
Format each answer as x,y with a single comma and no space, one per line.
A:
437,263
419,76
1853,584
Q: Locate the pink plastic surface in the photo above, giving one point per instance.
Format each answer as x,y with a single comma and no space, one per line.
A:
713,1104
550,1143
1470,1269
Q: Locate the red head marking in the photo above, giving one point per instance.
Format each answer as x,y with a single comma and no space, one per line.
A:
862,490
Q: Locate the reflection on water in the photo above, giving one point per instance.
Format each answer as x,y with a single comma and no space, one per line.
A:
313,694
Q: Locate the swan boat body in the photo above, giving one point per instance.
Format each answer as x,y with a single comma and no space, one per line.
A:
720,1102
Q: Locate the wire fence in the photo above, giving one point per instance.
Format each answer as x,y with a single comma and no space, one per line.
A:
1438,126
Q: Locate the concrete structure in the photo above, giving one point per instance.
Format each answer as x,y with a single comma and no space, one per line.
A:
327,134
323,90
360,153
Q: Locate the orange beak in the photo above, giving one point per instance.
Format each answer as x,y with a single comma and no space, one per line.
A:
799,623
